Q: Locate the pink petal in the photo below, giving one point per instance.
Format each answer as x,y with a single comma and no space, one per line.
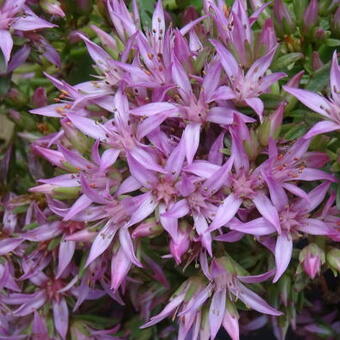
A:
257,278
221,115
191,138
232,236
257,105
99,56
6,44
322,127
216,311
66,251
316,196
260,66
181,79
313,226
228,62
8,245
60,316
88,126
169,308
145,159
50,110
127,246
256,302
120,266
312,100
28,307
277,193
128,185
154,108
257,227
335,78
108,158
147,206
267,210
226,211
215,155
283,254
178,210
39,328
30,22
176,159
102,241
79,205
158,21
230,324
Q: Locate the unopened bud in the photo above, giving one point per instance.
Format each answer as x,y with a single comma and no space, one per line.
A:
335,23
271,126
52,7
39,98
77,139
251,145
333,260
311,258
311,17
180,245
283,21
149,228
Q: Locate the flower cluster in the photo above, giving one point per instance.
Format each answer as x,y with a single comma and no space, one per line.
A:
171,182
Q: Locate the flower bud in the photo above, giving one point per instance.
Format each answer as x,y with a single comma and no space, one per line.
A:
251,145
77,7
77,139
333,259
311,17
65,193
39,97
327,7
316,61
311,258
299,10
271,126
283,21
180,245
149,228
335,24
52,7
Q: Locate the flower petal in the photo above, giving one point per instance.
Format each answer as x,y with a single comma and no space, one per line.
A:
216,311
267,210
60,316
322,127
226,211
283,254
312,100
169,308
256,302
66,251
228,62
191,138
102,241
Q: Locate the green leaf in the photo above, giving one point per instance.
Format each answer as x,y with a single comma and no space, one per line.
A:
333,42
30,226
146,8
296,131
5,83
271,101
286,60
320,79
